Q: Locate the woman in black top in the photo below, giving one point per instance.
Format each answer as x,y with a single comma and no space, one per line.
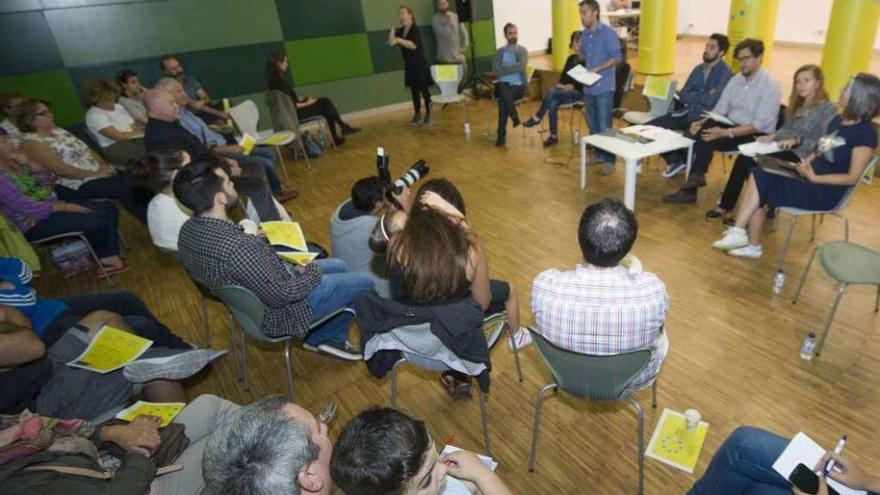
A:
417,74
567,91
276,69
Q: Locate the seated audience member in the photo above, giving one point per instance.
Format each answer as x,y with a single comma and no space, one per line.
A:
82,174
309,107
163,131
37,378
132,96
750,99
217,252
9,103
744,465
351,226
269,447
111,125
425,244
840,160
137,447
50,318
199,100
622,70
384,451
700,93
509,67
264,157
806,118
27,200
610,305
566,92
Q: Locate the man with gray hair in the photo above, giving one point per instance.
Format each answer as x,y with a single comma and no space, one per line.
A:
270,447
609,305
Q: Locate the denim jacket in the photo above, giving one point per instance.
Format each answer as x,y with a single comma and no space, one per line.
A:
700,94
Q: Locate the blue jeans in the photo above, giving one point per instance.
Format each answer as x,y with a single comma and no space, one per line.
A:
743,465
598,112
338,288
266,159
556,96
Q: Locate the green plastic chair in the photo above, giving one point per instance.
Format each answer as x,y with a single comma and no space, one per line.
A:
249,311
596,378
848,264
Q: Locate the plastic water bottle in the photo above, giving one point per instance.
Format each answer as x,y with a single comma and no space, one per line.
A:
808,346
467,128
576,136
778,282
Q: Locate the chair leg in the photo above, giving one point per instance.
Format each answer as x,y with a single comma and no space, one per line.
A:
515,352
654,394
797,293
821,343
102,272
289,369
846,229
205,324
244,362
813,229
282,163
233,340
877,302
641,414
394,382
484,417
539,402
780,270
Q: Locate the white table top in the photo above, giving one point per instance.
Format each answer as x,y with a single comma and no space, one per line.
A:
636,151
622,13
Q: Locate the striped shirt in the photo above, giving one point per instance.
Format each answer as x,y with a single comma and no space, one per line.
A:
602,311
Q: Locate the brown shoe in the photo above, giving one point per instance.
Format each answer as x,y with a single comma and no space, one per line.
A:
287,195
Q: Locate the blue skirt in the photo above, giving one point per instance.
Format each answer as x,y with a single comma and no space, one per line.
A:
776,191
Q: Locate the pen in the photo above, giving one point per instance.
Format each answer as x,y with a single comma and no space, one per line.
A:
837,450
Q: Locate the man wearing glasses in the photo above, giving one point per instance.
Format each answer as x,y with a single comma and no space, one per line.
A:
750,100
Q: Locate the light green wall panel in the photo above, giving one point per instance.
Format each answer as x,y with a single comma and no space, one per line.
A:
382,14
94,35
360,93
484,38
53,86
317,60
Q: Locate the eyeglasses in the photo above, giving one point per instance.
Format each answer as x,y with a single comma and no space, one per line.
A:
743,59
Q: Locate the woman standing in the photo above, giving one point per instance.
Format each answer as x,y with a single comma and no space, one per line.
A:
417,74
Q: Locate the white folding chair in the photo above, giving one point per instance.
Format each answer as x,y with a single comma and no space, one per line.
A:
448,78
660,99
246,116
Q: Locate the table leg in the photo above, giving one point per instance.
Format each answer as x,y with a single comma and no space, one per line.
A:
583,163
687,172
629,185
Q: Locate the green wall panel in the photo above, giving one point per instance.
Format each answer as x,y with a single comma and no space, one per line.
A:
485,10
93,35
18,5
310,19
27,44
317,60
380,15
53,86
484,38
360,93
387,59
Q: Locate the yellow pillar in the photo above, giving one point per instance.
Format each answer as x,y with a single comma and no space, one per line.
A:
849,42
657,36
751,19
566,18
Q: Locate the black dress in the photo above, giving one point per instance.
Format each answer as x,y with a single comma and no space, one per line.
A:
417,73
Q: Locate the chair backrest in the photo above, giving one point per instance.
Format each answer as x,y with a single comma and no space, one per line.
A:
869,172
447,78
282,111
780,117
660,92
245,306
591,377
81,132
246,115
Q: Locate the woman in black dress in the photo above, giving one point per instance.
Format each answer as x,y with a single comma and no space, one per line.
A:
417,73
276,71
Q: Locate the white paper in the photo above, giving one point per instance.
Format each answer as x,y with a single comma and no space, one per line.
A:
488,461
755,147
652,132
804,450
717,117
454,486
580,74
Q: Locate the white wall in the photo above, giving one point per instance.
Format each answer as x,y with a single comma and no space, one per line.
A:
532,18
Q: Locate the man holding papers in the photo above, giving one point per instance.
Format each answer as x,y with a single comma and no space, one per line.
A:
748,106
217,252
600,51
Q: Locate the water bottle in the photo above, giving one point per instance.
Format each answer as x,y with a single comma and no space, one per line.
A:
808,346
576,136
467,128
778,282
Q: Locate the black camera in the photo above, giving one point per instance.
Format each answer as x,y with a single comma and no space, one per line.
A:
418,170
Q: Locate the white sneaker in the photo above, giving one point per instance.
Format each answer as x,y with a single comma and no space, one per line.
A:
734,237
750,251
673,169
521,339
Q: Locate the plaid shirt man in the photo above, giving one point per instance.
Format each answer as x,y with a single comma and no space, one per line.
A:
603,311
217,252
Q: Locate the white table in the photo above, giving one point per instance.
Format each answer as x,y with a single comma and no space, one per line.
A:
631,154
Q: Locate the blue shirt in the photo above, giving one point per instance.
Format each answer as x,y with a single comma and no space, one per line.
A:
21,296
198,128
508,57
598,46
702,93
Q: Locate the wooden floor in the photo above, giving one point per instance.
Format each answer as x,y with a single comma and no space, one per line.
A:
734,346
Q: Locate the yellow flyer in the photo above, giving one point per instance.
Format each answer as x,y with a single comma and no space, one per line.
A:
165,410
447,72
287,234
656,87
673,444
247,143
110,350
297,257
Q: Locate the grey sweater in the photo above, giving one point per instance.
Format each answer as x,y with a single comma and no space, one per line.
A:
349,242
808,125
522,60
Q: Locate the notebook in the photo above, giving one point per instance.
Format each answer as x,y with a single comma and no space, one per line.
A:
804,450
778,167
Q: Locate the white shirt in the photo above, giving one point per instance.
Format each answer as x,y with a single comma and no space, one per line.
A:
164,220
98,118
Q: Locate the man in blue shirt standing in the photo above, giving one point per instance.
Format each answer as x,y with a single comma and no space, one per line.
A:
600,50
700,93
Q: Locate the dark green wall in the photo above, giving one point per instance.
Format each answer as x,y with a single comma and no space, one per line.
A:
336,47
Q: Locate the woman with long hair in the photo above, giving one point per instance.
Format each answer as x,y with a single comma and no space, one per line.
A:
417,74
806,117
308,107
839,162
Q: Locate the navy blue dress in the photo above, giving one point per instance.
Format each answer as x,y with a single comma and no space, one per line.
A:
776,191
